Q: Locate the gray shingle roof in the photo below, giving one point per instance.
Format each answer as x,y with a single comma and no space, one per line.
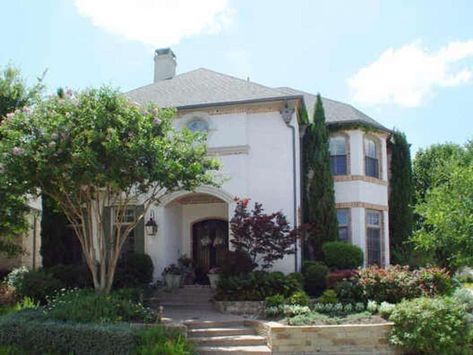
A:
200,87
203,87
335,112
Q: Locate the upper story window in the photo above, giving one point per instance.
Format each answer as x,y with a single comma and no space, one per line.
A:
343,218
371,158
338,155
373,237
198,125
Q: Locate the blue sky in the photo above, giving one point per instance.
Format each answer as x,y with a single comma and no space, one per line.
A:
408,64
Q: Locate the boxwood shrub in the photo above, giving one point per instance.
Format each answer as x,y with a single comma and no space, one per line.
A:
430,326
341,255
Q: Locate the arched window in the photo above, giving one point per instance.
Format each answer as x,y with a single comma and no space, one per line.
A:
371,158
338,155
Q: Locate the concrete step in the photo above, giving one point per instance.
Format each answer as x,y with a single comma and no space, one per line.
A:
234,350
213,324
215,332
232,340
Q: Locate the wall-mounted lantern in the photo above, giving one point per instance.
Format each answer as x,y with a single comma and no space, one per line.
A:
151,226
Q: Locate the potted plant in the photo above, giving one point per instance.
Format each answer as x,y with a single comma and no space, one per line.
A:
188,275
214,275
172,276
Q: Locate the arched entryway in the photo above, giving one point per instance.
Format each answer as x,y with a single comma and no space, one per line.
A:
209,243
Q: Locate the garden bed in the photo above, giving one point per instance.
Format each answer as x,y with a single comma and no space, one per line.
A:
328,339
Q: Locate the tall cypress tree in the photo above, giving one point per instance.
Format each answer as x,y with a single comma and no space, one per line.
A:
319,196
401,196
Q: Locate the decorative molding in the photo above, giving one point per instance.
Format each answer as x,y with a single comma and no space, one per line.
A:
360,204
372,180
198,199
254,107
231,150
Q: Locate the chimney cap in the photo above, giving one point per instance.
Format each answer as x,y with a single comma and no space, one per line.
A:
164,51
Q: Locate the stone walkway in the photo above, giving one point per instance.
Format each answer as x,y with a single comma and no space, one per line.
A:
211,331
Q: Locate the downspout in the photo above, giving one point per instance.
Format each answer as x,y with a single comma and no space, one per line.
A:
287,114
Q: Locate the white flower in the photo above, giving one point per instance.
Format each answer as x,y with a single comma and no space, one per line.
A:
156,121
52,144
17,151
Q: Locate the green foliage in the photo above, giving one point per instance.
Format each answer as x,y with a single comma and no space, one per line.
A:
319,196
14,95
71,276
255,286
341,255
297,276
274,301
237,262
315,318
328,296
299,298
315,278
464,297
163,341
34,333
401,194
87,306
349,291
434,281
338,309
447,215
429,326
38,285
385,309
134,270
15,277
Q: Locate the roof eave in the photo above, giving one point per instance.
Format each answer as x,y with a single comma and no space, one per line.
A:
359,122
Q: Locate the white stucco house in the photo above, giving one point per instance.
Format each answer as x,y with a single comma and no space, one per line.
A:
253,131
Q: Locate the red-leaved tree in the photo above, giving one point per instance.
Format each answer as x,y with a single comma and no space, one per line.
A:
265,237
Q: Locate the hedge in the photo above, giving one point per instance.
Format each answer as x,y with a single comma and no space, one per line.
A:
31,330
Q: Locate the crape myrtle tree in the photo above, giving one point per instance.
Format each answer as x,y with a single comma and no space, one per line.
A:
15,95
319,195
94,149
400,196
264,237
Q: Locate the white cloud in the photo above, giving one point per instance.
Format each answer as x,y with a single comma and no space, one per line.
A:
158,23
407,76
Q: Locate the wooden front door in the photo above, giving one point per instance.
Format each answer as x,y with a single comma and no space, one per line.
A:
209,243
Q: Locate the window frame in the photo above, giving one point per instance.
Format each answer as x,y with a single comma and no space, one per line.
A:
346,141
377,159
378,227
129,245
347,225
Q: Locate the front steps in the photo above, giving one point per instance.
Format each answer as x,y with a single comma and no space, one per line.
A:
232,337
189,296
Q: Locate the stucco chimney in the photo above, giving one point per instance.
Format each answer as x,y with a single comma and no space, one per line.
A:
164,64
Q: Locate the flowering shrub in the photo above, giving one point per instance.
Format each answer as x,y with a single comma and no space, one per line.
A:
396,283
15,277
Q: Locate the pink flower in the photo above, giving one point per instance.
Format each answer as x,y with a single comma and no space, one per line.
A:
17,151
156,121
26,110
10,115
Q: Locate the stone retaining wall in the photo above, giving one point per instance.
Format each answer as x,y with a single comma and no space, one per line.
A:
255,308
328,339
